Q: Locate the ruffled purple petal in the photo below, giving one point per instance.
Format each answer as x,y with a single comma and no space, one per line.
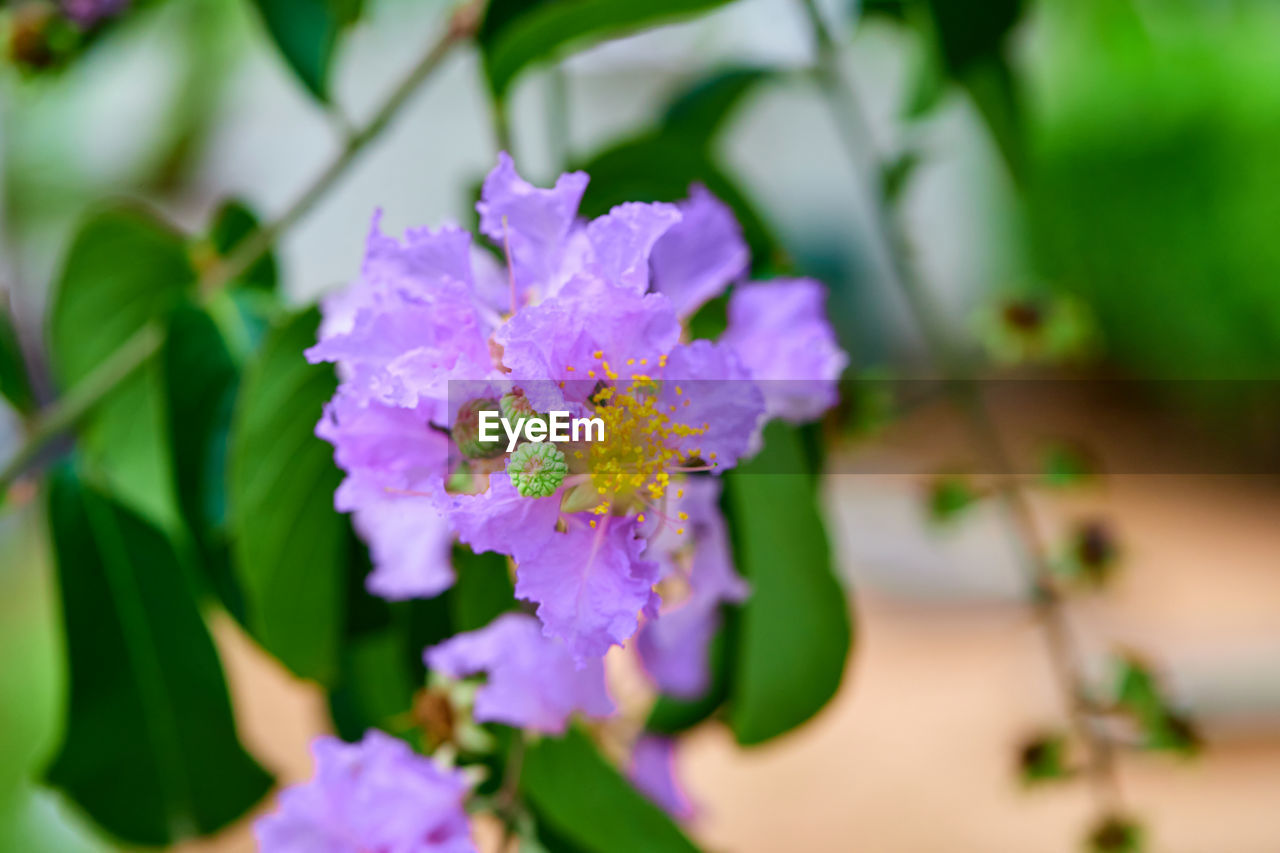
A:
780,331
706,387
374,795
557,339
501,519
696,259
384,450
674,648
410,544
532,680
533,223
653,772
590,586
622,239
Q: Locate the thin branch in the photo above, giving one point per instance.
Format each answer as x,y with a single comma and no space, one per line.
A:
508,797
854,131
64,413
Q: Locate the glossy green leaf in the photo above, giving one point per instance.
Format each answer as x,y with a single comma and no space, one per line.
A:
795,630
289,544
233,223
306,33
200,382
702,110
518,33
587,801
125,270
15,383
483,590
150,750
375,688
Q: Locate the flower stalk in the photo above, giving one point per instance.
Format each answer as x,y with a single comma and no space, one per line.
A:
1046,599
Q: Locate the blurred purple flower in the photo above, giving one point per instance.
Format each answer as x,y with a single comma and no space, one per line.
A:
532,680
586,317
88,13
376,795
653,772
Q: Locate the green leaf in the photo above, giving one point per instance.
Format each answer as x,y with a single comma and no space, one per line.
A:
124,272
949,496
483,590
519,33
306,33
795,630
702,110
969,33
1065,465
15,383
1140,695
289,544
587,801
1117,834
200,384
150,750
1043,759
375,688
233,223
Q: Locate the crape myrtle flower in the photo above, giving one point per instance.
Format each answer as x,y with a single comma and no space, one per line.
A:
585,317
532,680
376,795
653,771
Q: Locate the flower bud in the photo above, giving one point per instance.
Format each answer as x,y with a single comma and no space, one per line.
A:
516,408
466,430
537,469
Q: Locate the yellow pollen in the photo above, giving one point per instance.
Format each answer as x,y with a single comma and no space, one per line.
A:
679,531
644,361
598,354
683,516
640,517
592,522
662,361
630,362
679,390
679,493
591,373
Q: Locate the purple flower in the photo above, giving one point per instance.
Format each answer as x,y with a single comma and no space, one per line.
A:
780,331
653,772
696,259
590,585
674,648
584,317
376,796
532,680
87,13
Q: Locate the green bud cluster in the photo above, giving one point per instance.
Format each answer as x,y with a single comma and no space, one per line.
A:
537,469
516,408
466,430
